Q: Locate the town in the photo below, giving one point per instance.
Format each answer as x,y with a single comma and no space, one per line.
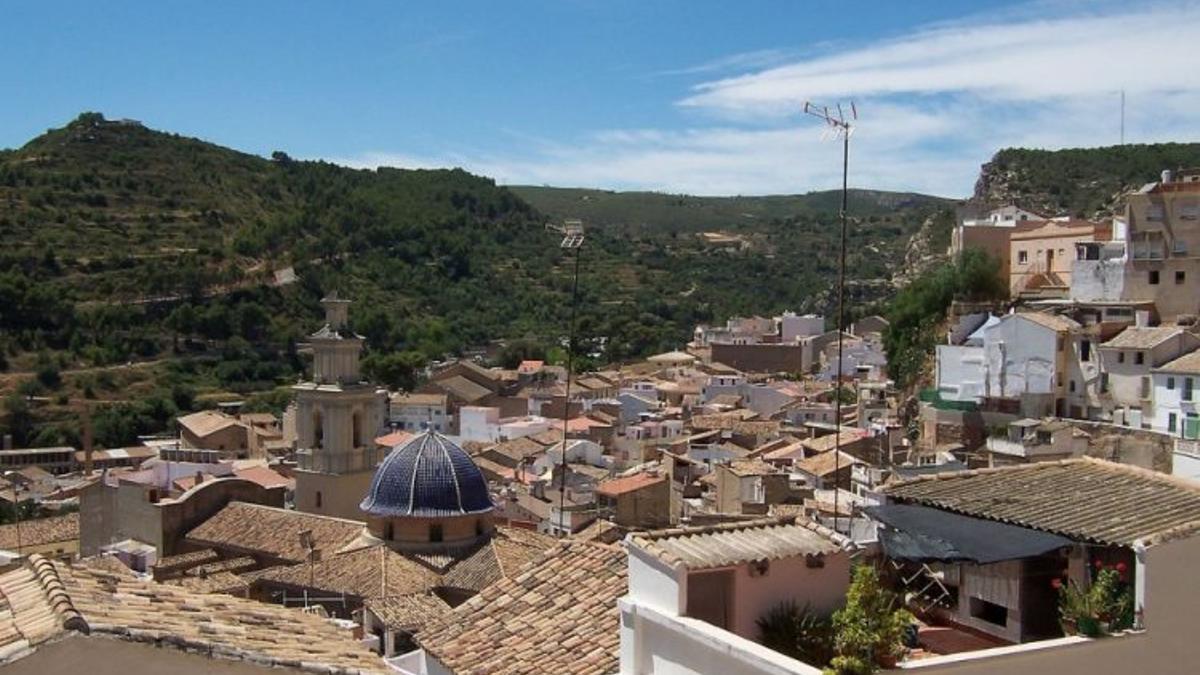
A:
682,512
599,338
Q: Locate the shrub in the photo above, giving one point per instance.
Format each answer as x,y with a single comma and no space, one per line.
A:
797,632
1104,607
869,630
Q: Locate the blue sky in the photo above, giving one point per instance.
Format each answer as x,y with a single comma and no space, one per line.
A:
697,97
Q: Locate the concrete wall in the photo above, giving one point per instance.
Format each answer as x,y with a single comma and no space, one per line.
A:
824,588
761,358
1022,358
649,507
961,373
336,495
1167,646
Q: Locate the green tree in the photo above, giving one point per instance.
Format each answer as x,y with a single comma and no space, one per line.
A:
398,370
869,630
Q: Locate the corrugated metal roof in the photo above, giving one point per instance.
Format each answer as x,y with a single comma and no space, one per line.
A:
1085,499
734,543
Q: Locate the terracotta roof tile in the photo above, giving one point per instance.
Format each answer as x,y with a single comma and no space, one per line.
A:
40,531
620,486
1085,499
274,532
558,615
733,543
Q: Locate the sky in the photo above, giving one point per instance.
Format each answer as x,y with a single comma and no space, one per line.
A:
687,96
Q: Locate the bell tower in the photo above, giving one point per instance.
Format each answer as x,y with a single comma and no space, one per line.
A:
338,417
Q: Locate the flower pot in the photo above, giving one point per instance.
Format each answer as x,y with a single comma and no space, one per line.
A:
1088,626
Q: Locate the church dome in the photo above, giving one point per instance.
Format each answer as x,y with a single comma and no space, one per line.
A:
429,476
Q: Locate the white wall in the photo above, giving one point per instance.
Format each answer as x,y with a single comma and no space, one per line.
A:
1022,358
476,423
1168,401
961,373
658,643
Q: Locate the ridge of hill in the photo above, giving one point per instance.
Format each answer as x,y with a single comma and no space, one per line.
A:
202,267
1082,182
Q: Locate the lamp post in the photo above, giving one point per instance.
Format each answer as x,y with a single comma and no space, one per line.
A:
16,509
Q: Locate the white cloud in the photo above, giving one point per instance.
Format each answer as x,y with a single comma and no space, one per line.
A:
934,105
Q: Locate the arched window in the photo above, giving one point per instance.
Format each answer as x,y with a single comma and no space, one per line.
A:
318,499
435,532
318,430
388,533
479,527
356,428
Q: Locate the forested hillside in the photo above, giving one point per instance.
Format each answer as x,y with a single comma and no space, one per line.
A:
1084,182
144,273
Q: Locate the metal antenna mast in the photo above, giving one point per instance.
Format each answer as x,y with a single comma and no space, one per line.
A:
837,123
1122,117
572,231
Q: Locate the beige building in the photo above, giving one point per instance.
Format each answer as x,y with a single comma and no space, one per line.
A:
749,486
1042,255
642,500
1164,244
338,418
213,430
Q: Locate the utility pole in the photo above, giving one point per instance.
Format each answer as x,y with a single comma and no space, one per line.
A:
1122,117
572,231
837,122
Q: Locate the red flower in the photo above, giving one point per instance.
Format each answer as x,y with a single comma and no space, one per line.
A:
1121,567
1099,564
1056,584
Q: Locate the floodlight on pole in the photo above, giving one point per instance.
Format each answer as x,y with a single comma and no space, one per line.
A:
572,231
838,125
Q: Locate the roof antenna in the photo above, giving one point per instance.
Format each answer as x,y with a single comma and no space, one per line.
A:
572,231
838,125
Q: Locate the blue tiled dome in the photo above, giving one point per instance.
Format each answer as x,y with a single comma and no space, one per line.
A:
427,476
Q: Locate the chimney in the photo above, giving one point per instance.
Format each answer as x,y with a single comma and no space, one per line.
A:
87,441
1141,318
1166,176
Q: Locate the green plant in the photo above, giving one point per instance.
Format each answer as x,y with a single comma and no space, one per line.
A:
1103,607
869,630
798,632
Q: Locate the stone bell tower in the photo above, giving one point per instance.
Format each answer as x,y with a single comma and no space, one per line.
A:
338,417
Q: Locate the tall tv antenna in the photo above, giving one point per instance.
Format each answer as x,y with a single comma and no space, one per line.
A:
572,232
836,125
1122,117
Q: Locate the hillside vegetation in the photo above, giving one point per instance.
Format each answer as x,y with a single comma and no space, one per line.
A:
143,273
1084,182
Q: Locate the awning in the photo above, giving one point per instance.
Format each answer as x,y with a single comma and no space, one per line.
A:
926,534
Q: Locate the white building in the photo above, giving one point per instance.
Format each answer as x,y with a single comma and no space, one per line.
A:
1176,393
414,412
1127,361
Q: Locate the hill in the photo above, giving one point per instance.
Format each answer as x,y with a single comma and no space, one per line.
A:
143,273
684,213
1084,182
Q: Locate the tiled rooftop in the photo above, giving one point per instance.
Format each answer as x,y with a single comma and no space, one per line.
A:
826,463
1187,364
220,625
558,615
620,486
1085,499
733,543
274,532
1142,338
40,531
409,612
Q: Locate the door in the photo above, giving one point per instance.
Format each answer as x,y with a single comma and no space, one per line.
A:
710,597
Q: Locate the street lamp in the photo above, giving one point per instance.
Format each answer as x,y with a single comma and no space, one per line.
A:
16,509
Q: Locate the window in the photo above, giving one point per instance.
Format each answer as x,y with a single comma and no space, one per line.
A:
435,532
1170,384
989,611
1172,420
1085,350
1145,387
1153,277
1022,257
1072,386
1187,388
1191,426
1120,357
1062,343
318,500
389,533
478,527
1139,358
1179,277
1103,383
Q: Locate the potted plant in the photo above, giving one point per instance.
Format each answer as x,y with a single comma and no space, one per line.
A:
869,630
1103,607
